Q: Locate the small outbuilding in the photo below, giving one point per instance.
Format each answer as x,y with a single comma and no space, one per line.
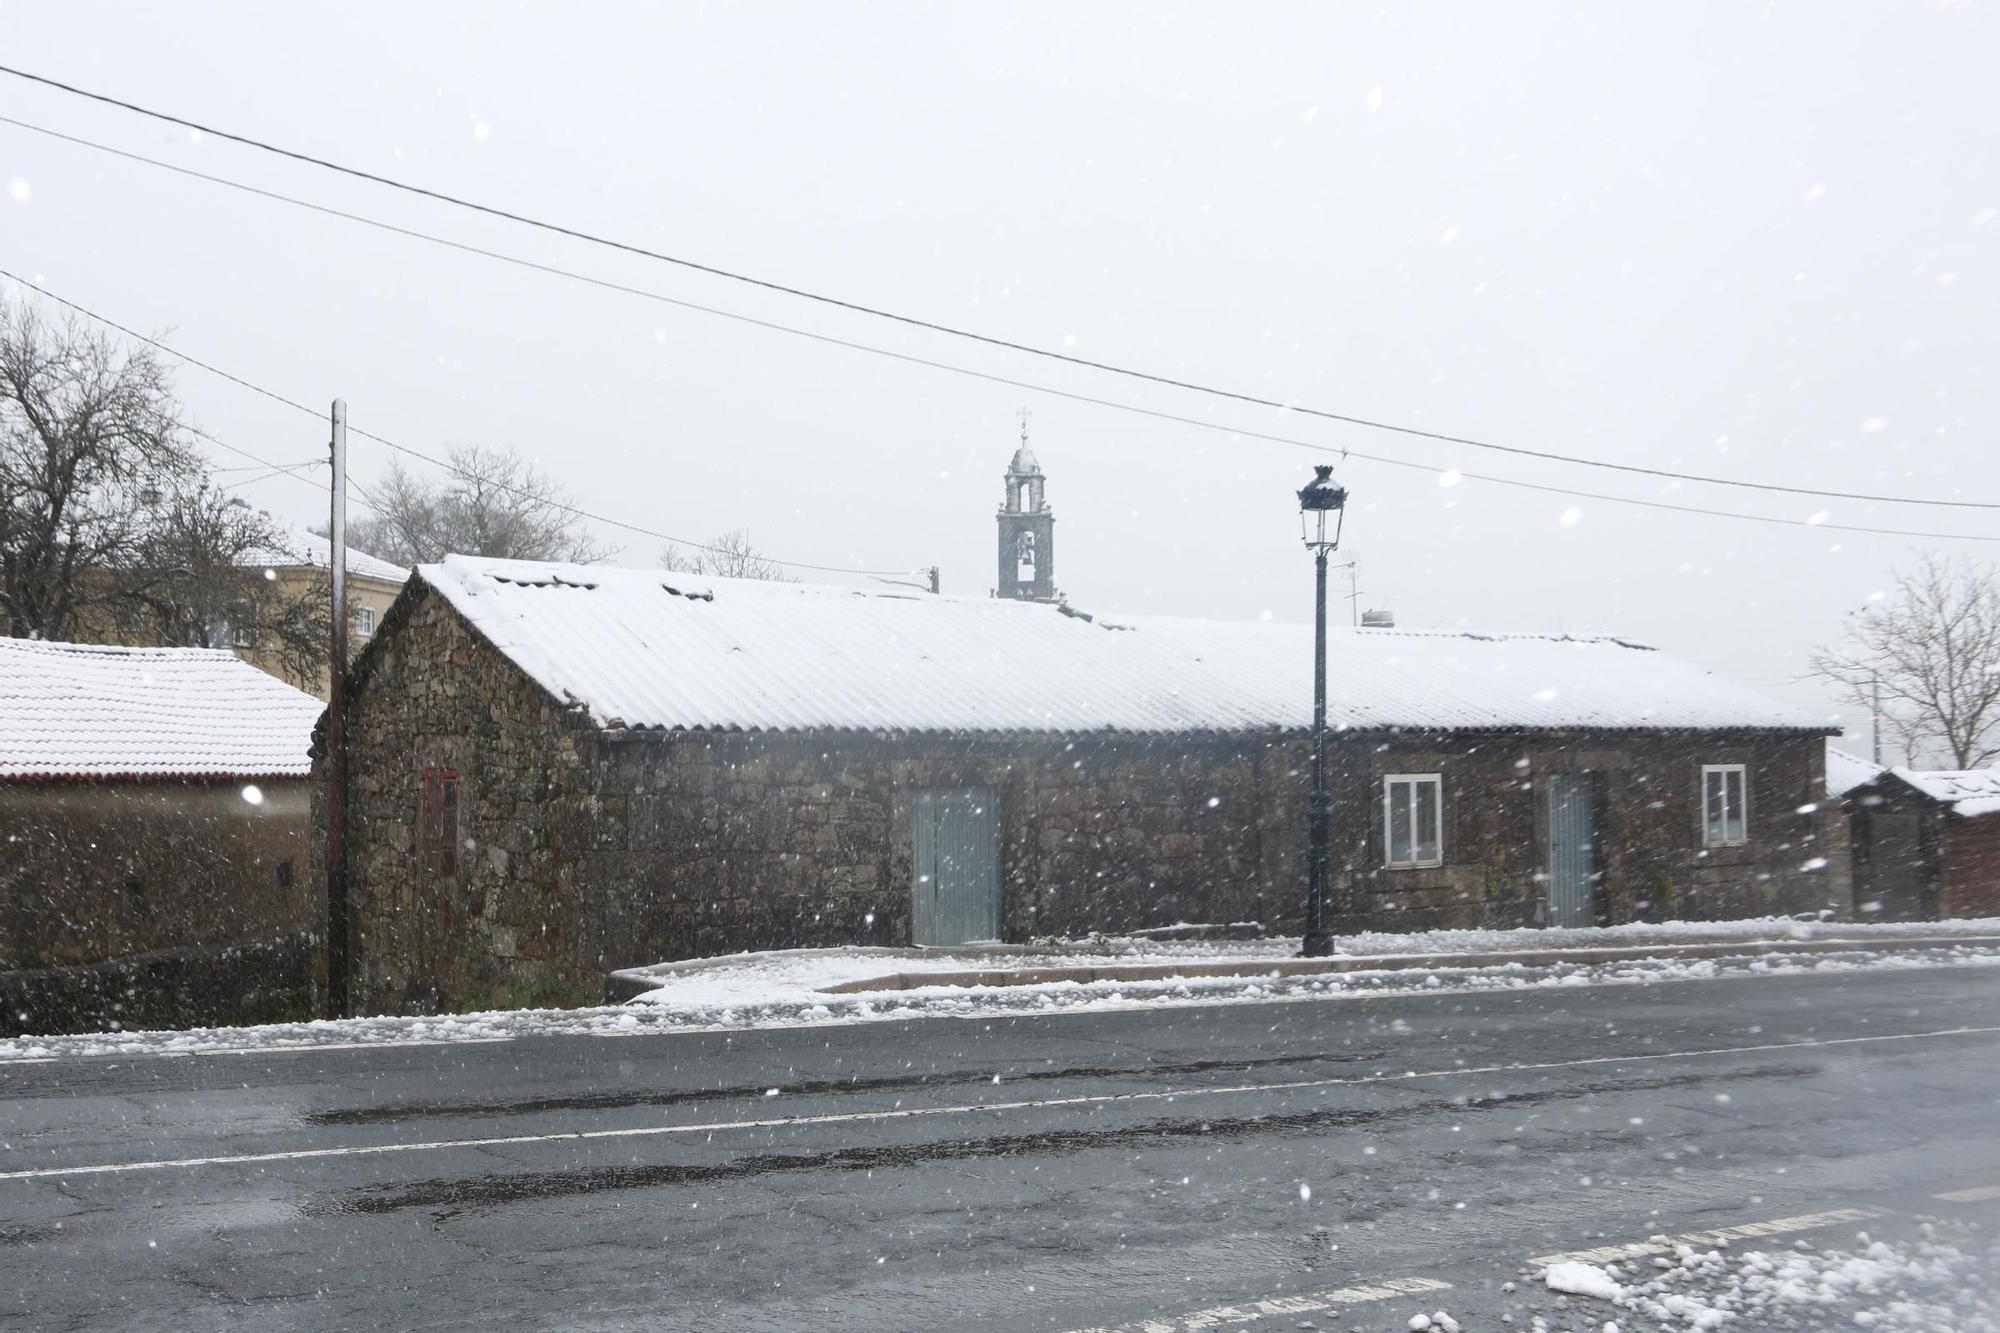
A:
559,769
1926,843
153,803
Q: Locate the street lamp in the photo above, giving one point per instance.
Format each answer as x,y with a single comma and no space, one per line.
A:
1322,511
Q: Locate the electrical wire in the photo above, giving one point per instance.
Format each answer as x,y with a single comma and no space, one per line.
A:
1408,464
933,326
276,397
911,359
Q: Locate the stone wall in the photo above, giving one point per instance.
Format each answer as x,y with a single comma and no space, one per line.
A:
1972,884
584,850
99,870
267,980
502,931
1650,853
730,841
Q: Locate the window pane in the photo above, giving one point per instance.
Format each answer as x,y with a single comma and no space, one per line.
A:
1427,820
1399,821
1711,805
1733,823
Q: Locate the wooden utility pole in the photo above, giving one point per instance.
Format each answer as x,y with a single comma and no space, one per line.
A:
336,736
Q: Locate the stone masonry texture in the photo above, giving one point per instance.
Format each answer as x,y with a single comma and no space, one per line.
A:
583,849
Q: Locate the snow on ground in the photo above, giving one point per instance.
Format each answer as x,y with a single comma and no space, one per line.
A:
1942,1278
782,990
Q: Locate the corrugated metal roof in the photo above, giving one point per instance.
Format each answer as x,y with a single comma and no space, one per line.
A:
648,648
1845,772
1968,791
72,710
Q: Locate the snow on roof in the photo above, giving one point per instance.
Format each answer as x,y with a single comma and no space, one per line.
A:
73,710
1845,772
648,648
1968,791
301,548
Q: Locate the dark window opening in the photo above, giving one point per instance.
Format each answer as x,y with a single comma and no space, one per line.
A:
132,894
285,873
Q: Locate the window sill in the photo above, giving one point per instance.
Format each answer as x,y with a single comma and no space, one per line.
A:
1413,865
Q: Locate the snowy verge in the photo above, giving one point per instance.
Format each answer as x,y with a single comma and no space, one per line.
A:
781,991
1941,1278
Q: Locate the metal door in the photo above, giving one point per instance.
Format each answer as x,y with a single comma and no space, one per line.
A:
955,845
1572,849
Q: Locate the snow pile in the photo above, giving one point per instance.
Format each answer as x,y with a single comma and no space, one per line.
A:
1579,1279
1926,1283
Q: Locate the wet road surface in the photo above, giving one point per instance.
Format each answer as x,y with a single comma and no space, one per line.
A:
1337,1164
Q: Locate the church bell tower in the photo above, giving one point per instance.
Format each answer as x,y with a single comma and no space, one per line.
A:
1027,530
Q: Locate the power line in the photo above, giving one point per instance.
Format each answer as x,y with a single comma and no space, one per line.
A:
948,367
955,331
416,453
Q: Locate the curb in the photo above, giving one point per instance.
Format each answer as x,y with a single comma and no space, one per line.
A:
1409,962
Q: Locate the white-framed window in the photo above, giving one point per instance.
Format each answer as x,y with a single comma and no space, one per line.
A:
1413,819
1725,805
364,620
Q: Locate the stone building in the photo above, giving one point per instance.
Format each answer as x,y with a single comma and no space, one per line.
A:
559,770
1925,843
153,805
297,565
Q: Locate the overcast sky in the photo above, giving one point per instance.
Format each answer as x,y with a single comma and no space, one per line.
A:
1759,244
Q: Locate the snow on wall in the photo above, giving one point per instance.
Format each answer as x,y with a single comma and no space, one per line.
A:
71,710
649,648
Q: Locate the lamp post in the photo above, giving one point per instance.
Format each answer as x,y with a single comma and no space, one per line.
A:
1322,510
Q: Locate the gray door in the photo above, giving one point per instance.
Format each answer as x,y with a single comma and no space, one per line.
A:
955,845
1572,849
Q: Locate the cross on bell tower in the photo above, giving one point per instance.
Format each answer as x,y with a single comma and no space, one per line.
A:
1027,530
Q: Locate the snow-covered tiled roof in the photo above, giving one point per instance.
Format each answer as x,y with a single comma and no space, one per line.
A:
1845,772
301,548
73,710
647,648
1968,791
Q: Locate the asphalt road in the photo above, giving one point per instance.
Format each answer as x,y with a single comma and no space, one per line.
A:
1077,1171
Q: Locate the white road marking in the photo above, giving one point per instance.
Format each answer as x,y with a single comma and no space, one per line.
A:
1979,1194
293,1048
1780,1226
1250,1311
976,1108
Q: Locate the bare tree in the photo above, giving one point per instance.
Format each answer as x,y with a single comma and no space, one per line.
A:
730,556
1932,650
90,437
490,502
204,579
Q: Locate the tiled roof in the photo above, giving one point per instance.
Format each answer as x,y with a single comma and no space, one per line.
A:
71,710
646,648
303,549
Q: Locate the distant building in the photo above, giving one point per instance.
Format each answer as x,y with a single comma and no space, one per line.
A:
152,803
1027,532
561,769
303,558
298,564
1925,843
